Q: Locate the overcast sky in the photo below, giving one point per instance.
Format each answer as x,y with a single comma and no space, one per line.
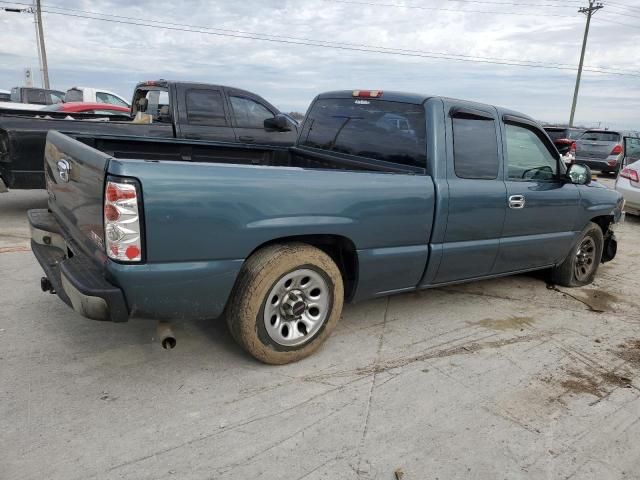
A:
115,56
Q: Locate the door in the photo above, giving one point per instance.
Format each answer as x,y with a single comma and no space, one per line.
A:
631,150
248,114
540,220
477,194
203,115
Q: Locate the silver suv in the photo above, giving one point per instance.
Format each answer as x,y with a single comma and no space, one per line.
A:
602,149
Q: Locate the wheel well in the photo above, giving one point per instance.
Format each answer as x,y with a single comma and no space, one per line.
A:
341,250
603,222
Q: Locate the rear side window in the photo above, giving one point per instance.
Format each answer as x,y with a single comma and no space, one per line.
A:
376,129
475,148
204,107
601,136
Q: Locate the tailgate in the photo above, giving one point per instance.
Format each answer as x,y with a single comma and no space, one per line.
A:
75,176
596,150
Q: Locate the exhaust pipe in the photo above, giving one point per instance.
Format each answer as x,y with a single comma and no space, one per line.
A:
46,286
165,335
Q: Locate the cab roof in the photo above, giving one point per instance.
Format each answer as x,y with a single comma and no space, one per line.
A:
418,99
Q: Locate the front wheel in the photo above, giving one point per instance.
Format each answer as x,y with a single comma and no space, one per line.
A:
287,300
581,265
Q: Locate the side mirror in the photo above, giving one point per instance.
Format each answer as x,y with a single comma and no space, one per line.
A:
279,122
579,174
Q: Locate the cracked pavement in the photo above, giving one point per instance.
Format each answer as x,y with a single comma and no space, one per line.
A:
504,378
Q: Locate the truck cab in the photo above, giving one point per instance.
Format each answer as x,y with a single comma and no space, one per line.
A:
202,111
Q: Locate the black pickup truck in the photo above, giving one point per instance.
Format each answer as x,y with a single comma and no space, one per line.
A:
162,109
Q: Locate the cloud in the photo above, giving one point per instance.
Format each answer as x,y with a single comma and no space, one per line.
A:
117,56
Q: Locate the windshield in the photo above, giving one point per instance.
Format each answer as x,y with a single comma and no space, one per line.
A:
601,136
377,129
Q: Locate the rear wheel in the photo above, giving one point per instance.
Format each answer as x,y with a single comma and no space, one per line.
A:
581,265
286,302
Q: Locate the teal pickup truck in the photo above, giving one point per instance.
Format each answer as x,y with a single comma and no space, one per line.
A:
383,192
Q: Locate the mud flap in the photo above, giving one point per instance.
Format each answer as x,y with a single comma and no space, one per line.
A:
610,247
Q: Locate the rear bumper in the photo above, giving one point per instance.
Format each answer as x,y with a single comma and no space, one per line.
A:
75,279
631,195
601,165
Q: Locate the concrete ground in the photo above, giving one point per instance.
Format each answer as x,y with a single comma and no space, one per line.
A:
501,379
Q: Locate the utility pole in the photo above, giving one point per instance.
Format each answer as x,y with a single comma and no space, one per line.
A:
42,53
590,10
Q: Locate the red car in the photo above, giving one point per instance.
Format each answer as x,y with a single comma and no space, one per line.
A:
88,107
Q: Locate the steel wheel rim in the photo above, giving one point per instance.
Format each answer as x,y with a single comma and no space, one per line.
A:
296,307
585,259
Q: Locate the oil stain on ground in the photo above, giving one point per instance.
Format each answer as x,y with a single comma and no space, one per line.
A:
630,352
510,323
596,300
597,384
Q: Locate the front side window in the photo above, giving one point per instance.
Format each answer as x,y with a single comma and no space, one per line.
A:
475,148
248,113
527,156
204,107
377,129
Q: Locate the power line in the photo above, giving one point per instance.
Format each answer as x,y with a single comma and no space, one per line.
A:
600,19
622,5
490,2
335,45
305,39
622,14
440,9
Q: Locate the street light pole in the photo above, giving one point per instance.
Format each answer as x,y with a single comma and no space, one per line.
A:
590,10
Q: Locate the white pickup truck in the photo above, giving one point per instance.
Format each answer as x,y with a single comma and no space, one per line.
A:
94,95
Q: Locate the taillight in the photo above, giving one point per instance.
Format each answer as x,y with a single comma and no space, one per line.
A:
573,147
367,93
122,221
630,174
617,150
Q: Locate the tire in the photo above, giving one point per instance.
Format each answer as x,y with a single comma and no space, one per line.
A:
581,265
264,313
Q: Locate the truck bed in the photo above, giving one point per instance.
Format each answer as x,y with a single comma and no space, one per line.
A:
178,150
22,140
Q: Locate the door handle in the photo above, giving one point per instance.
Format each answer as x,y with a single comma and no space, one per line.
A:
516,201
247,139
192,136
